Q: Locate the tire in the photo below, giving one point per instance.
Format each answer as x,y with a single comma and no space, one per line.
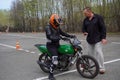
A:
45,60
85,66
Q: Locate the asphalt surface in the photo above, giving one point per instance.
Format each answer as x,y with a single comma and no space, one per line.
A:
21,64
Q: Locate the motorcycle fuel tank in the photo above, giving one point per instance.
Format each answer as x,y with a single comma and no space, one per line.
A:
63,49
66,49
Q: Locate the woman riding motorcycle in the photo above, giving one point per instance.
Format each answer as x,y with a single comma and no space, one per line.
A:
53,33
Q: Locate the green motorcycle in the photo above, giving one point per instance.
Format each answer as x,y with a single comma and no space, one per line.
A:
69,54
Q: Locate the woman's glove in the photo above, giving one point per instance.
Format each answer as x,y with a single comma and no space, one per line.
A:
72,36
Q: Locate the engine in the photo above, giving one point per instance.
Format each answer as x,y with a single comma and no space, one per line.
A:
63,61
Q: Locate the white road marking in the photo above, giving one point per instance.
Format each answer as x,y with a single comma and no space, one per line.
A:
82,40
67,72
15,48
27,51
32,52
42,78
56,75
115,60
7,46
21,49
116,42
32,36
23,36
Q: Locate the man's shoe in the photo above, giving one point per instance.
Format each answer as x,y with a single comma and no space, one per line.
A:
82,67
102,71
51,77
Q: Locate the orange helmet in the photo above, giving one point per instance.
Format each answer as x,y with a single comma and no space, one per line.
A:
55,21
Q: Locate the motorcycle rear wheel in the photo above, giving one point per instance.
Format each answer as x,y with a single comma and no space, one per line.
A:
87,66
44,59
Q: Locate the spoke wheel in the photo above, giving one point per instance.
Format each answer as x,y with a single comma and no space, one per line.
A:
46,60
87,66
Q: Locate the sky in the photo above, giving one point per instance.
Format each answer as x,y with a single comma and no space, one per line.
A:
5,4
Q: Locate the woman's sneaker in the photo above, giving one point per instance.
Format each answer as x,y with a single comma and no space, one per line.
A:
55,60
51,77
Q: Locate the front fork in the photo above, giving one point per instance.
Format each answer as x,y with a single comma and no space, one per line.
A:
77,55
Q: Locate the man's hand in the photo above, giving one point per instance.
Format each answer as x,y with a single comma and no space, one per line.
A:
104,41
85,33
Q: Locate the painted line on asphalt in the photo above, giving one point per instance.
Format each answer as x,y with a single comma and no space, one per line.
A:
67,72
45,38
32,52
13,47
7,46
31,36
71,71
82,40
115,60
22,36
116,42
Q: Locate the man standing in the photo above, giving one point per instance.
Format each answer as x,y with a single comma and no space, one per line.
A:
94,28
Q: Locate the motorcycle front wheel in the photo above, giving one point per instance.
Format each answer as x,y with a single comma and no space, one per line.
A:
87,66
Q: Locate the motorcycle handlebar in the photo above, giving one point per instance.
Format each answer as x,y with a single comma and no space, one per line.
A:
66,39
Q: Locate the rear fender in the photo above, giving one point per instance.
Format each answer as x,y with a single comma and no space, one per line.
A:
42,48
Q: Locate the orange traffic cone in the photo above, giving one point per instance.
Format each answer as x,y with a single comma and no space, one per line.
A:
17,45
